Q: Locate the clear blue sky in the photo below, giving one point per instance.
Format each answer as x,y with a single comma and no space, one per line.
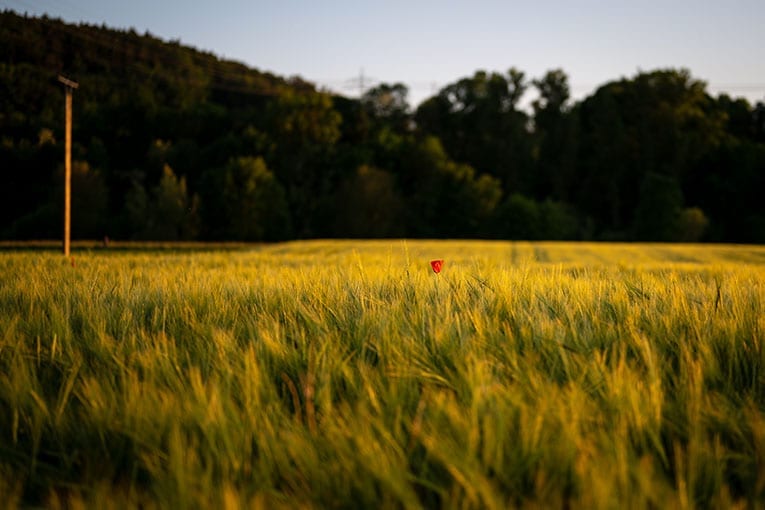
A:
428,44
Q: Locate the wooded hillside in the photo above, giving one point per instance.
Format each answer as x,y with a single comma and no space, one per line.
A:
174,143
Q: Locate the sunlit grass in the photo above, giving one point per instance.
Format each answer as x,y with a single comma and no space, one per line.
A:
347,374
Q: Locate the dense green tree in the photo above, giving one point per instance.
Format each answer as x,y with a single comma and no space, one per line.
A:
691,225
388,104
169,213
559,221
479,122
368,205
519,217
728,180
445,198
556,138
728,185
175,210
658,215
88,207
28,170
90,198
758,119
136,211
307,128
603,163
661,122
243,201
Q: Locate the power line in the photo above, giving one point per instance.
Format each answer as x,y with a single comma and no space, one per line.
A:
361,82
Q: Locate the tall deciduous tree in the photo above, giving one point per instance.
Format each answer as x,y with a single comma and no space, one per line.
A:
556,138
168,213
661,122
479,122
369,205
244,201
446,198
657,217
388,104
306,128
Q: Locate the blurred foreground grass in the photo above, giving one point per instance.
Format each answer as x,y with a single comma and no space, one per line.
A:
343,374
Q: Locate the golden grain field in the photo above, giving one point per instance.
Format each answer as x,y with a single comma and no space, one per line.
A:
347,374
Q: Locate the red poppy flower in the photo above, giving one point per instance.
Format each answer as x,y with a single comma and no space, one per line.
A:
436,265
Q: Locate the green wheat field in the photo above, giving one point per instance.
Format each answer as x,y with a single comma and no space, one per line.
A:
346,374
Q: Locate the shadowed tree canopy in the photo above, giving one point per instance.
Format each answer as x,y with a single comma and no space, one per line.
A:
662,123
479,122
556,138
389,103
176,143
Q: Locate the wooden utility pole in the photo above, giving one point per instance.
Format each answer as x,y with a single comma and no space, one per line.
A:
69,86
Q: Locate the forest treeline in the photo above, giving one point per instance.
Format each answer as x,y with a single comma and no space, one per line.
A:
173,143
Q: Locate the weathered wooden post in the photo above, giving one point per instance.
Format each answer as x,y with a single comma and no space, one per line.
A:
69,86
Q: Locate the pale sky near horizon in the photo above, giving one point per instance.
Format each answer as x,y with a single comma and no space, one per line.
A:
428,44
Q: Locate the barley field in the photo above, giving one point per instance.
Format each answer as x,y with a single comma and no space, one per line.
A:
347,374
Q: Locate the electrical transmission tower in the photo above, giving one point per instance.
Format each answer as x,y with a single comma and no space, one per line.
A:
361,83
